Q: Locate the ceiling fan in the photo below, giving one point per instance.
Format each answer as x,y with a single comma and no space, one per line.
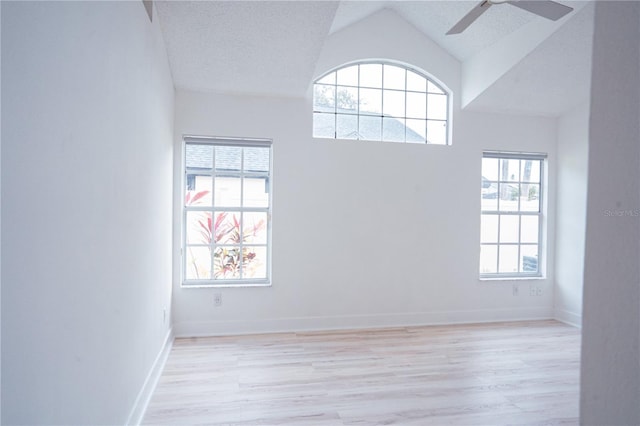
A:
545,8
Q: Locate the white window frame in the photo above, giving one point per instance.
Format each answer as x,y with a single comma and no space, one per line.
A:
441,90
232,142
541,157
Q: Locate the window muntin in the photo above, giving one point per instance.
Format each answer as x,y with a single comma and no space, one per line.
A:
380,102
511,214
226,212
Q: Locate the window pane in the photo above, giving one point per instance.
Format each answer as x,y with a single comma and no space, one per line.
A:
228,158
371,101
348,76
328,79
437,107
371,75
489,200
198,227
324,125
254,227
370,128
518,190
489,228
432,88
509,170
237,176
227,228
227,192
393,129
256,159
255,262
530,201
508,262
198,191
416,105
488,259
198,263
530,171
437,132
416,82
490,169
347,99
509,194
416,131
394,77
529,258
226,263
255,192
324,98
371,89
347,126
529,229
393,103
509,228
198,157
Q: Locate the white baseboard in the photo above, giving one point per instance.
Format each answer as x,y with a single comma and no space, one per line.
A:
276,325
568,317
149,386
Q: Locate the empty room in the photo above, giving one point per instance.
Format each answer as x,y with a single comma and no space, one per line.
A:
320,212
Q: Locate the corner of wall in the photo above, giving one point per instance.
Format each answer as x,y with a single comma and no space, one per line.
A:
146,392
567,317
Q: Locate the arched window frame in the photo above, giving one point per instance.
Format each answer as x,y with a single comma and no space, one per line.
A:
348,104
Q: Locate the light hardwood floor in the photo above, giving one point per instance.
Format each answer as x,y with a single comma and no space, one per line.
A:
490,374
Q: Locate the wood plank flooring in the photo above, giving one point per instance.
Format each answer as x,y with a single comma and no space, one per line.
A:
519,373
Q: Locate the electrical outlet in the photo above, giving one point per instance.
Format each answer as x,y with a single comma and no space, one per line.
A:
535,290
217,299
515,289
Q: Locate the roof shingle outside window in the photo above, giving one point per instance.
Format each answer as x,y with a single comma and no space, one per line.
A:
380,102
227,158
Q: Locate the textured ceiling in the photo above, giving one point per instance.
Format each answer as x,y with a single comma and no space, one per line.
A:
271,47
244,46
552,79
435,18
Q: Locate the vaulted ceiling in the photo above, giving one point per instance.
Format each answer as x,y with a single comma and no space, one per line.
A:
512,61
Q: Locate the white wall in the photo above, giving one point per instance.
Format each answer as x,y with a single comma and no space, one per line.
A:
0,219
610,370
571,204
364,40
87,153
364,233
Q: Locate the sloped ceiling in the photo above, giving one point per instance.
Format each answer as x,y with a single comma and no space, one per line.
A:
551,79
271,47
435,18
261,47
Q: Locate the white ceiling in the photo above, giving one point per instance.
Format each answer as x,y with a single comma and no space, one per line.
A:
244,46
551,79
271,47
435,18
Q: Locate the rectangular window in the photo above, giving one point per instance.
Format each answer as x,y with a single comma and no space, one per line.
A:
511,218
226,214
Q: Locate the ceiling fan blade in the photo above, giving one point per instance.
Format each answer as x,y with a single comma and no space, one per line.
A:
468,19
545,8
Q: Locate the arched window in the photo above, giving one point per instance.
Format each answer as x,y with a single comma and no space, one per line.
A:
380,102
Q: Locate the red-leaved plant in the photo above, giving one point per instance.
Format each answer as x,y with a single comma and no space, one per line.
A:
226,259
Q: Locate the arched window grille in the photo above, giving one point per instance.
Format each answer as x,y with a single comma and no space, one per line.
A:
380,101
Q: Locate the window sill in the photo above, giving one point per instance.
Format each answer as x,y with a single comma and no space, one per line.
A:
528,278
225,285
